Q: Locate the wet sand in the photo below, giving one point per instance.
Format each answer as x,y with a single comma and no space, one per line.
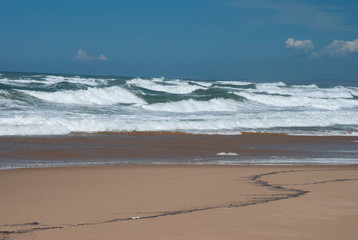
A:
180,202
177,147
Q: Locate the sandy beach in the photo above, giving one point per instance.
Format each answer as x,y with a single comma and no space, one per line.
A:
180,202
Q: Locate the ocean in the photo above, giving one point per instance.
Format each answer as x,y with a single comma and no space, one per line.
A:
49,120
46,104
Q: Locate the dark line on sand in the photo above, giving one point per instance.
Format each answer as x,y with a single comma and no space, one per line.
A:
256,179
322,182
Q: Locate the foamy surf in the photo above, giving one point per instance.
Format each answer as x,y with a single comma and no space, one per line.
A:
173,87
99,96
190,106
60,104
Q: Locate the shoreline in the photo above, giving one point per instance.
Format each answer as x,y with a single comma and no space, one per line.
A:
179,202
181,165
171,164
164,148
179,132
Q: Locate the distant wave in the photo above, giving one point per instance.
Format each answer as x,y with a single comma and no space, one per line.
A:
300,101
158,84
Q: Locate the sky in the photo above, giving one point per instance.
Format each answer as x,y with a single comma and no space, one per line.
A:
195,39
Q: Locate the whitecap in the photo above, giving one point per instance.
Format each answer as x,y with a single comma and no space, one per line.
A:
187,106
304,91
299,101
173,86
237,83
98,96
77,80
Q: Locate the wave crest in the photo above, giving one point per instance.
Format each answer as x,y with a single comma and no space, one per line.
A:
98,96
189,106
173,86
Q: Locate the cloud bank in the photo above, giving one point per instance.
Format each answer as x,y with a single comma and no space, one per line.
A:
83,56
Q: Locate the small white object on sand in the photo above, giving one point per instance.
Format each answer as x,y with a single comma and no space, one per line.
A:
227,154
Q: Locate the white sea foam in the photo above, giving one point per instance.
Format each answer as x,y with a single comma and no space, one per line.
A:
174,86
19,82
201,83
6,101
305,91
188,106
299,101
238,83
234,161
353,91
99,96
21,125
78,80
270,107
290,161
49,80
42,123
161,79
274,85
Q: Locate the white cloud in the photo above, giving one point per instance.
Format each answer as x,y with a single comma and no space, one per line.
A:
81,55
338,48
341,48
101,58
303,45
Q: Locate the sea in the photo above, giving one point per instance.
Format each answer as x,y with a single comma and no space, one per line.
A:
39,104
48,104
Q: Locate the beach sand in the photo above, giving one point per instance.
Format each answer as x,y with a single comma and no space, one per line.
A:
180,202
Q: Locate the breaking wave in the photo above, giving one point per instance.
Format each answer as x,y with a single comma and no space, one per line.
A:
99,96
189,106
173,87
61,104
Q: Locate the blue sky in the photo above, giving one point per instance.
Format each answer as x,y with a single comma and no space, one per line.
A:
200,39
